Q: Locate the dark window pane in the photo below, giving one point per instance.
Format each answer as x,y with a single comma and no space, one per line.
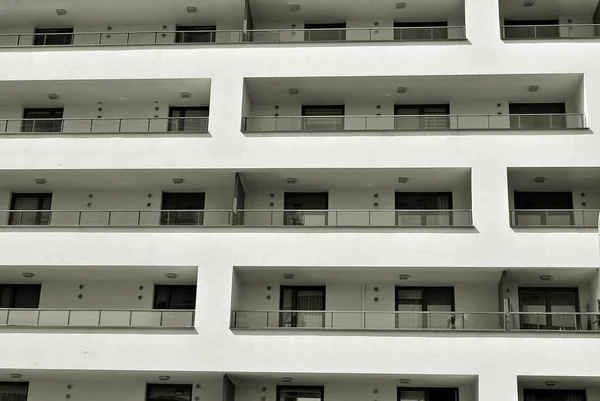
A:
29,204
188,119
428,394
42,120
325,32
53,37
302,298
182,208
13,391
169,392
531,29
175,297
20,295
421,30
554,395
539,303
196,34
299,393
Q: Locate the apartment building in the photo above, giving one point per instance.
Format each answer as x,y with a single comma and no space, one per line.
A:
281,200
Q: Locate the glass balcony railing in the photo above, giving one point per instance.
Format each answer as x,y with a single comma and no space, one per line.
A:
413,320
105,125
92,318
554,217
560,31
207,37
257,124
357,218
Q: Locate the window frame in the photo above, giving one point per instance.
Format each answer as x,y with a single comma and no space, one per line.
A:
44,33
548,306
42,196
16,288
295,289
424,292
569,211
448,194
170,287
427,390
326,27
57,118
182,30
424,24
280,387
554,393
17,384
168,385
171,217
181,119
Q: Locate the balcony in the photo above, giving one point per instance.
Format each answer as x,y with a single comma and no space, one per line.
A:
438,105
554,198
425,299
112,107
52,299
539,20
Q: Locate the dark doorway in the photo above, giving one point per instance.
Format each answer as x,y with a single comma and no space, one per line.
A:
439,301
302,298
182,208
306,208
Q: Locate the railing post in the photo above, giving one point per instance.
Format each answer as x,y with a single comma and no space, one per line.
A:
109,217
272,217
364,319
331,320
69,317
130,317
336,217
139,218
127,38
120,123
99,317
161,318
79,219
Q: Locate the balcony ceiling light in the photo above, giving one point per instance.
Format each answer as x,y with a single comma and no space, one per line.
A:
61,11
291,180
186,95
400,6
528,3
402,180
178,180
533,88
164,378
295,7
551,383
15,375
289,276
545,277
192,9
539,180
293,91
171,275
28,275
40,181
402,89
403,276
404,381
53,96
286,379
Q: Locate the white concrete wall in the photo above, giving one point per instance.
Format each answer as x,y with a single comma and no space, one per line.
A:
357,202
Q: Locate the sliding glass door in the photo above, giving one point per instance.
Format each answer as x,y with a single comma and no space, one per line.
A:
300,301
425,307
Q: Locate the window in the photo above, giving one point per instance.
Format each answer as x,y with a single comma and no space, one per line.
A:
299,208
175,297
53,37
325,32
430,209
31,206
13,391
421,30
195,34
537,115
422,116
20,295
168,392
531,29
539,303
415,300
302,298
182,208
553,395
299,393
42,120
188,119
323,118
543,209
427,394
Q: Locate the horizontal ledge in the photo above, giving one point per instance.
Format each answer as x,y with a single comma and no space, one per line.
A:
423,133
141,134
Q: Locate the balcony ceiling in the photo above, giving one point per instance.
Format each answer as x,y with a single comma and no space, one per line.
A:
135,274
343,10
166,92
433,179
514,9
560,277
108,12
558,178
420,89
562,382
367,274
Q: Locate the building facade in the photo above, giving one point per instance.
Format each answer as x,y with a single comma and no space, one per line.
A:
292,201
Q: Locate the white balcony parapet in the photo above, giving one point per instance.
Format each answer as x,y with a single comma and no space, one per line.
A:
450,122
104,125
553,31
93,318
554,217
356,218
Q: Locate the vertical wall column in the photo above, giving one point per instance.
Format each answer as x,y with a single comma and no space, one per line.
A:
214,297
495,385
482,19
489,187
226,107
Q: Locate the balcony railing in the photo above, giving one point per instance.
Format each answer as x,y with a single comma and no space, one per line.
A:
465,122
420,321
91,318
104,125
207,37
356,218
554,217
561,31
117,218
399,34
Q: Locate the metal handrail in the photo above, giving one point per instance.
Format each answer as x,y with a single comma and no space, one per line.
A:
548,217
414,122
546,320
118,218
566,33
104,125
72,317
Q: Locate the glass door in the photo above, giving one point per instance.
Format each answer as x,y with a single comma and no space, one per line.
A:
549,308
414,303
300,301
